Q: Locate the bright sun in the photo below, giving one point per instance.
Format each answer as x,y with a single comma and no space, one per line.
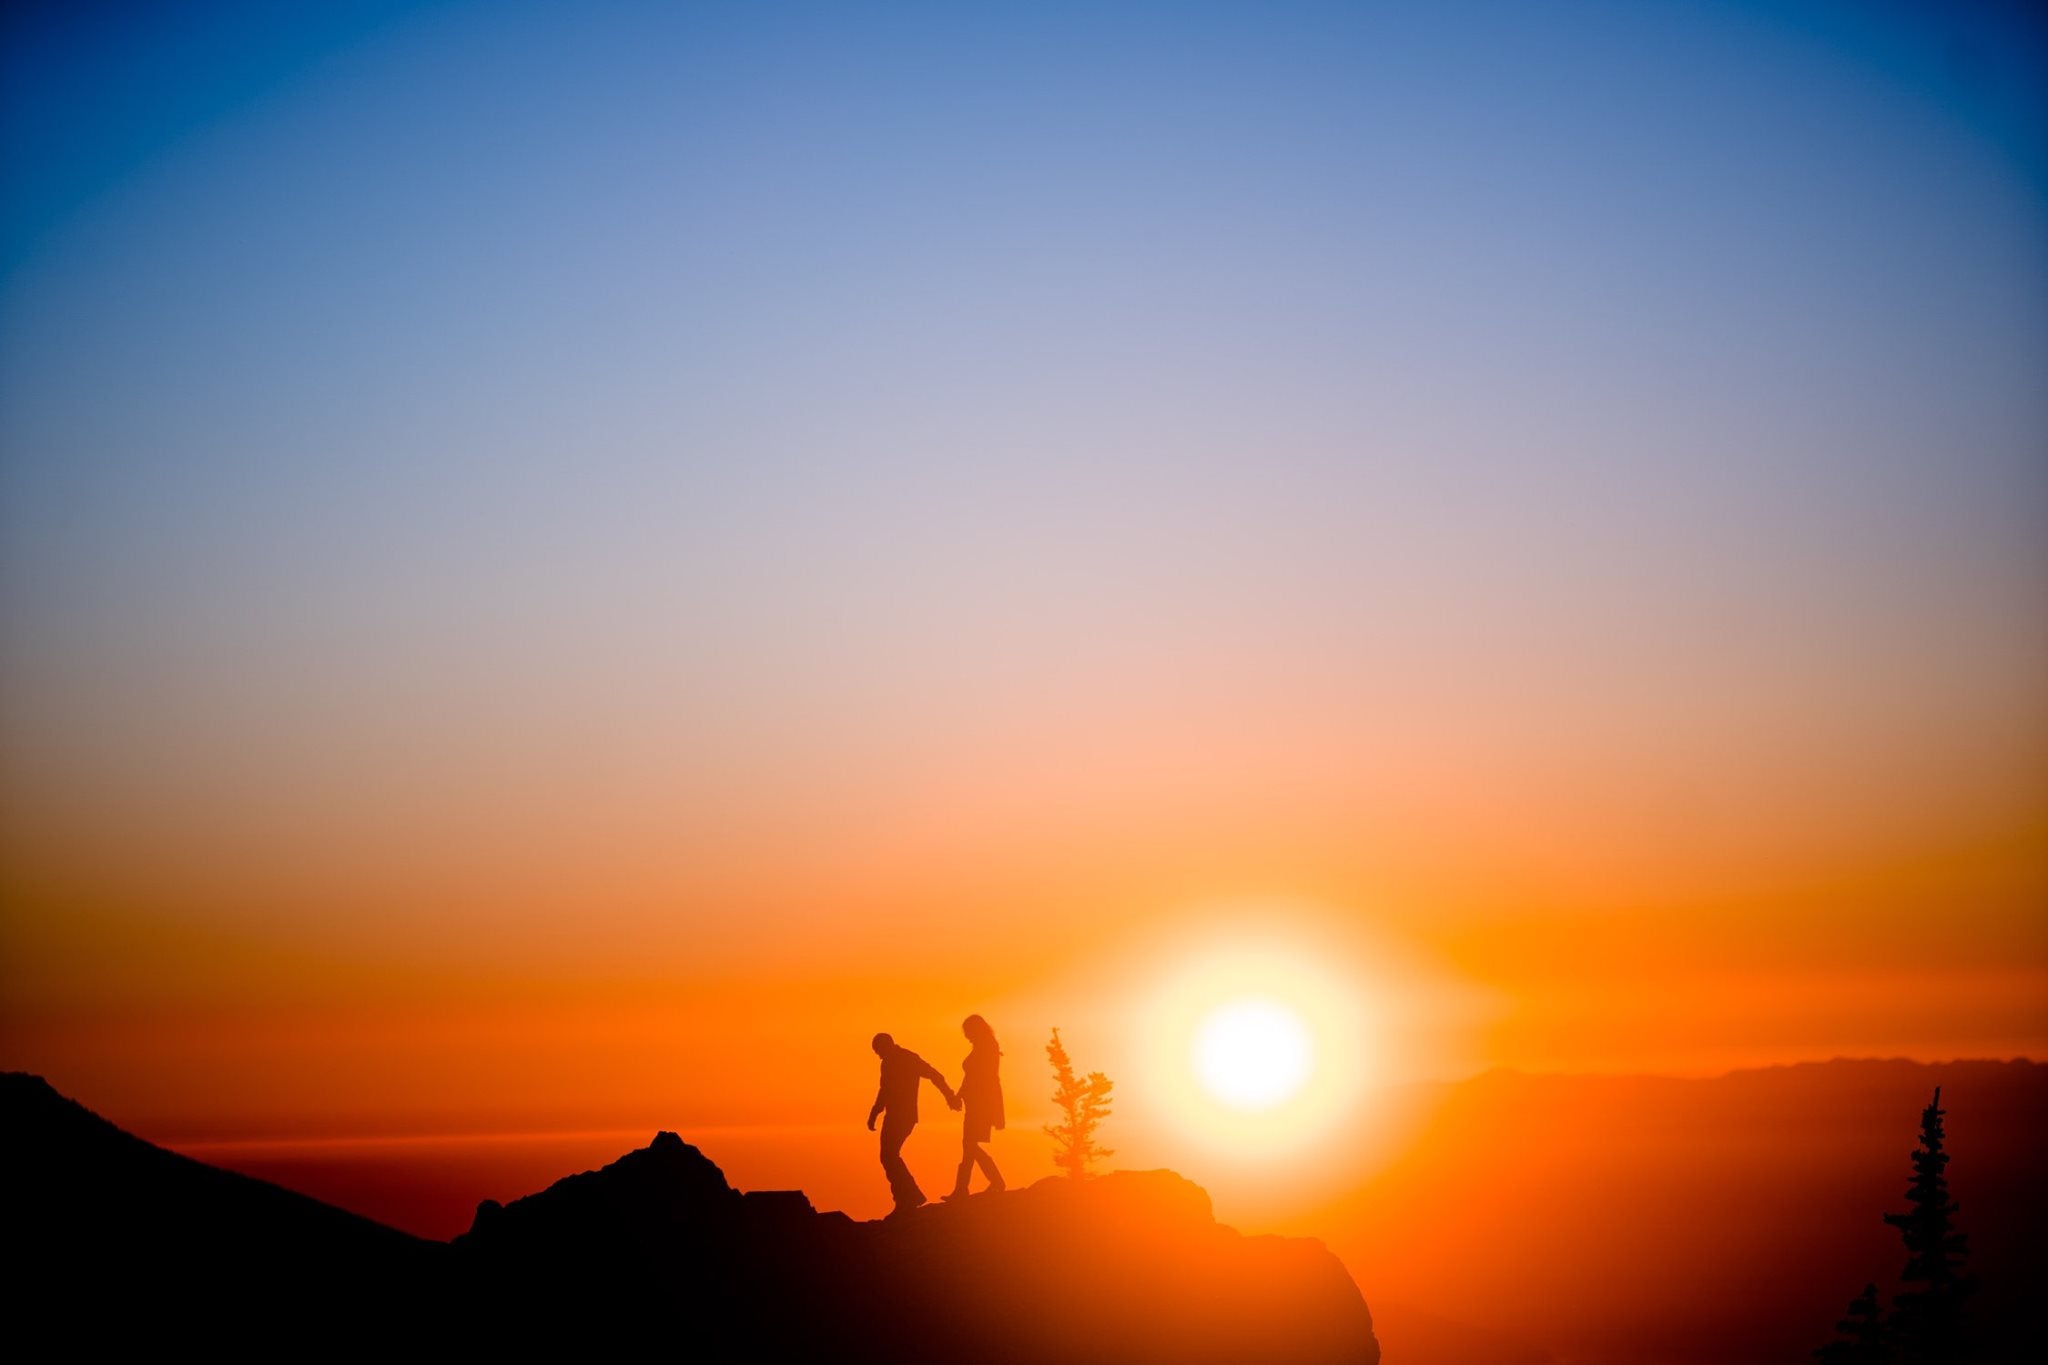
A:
1256,1042
1253,1053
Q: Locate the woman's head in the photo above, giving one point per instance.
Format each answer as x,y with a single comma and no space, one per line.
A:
977,1030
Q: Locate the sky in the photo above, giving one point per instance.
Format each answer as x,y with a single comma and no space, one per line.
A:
560,565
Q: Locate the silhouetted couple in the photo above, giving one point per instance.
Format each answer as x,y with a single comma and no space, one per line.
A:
980,1094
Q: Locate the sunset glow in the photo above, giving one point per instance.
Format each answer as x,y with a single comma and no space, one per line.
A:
563,567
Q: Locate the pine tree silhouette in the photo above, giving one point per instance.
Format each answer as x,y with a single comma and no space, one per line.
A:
1927,1322
1864,1339
1085,1103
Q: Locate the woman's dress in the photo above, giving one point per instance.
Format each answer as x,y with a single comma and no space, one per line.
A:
981,1093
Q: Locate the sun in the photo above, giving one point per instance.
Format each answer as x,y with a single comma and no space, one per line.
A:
1258,1032
1253,1053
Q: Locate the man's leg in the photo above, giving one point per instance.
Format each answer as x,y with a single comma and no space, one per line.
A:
901,1183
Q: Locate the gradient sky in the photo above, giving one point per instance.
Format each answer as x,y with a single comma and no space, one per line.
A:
543,546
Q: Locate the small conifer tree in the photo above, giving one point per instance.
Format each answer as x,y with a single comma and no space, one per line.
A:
1863,1339
1927,1320
1084,1104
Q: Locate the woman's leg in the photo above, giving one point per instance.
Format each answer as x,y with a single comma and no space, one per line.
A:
988,1168
967,1154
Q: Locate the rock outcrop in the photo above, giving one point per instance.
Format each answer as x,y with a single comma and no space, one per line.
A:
654,1252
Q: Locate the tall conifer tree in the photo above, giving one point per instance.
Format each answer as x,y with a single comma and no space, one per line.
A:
1927,1316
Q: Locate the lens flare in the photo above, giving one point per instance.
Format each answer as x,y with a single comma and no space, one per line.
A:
1253,1054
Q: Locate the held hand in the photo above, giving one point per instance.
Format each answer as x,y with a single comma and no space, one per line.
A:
953,1102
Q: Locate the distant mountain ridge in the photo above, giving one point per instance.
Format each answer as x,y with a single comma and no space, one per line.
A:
1730,1216
126,1243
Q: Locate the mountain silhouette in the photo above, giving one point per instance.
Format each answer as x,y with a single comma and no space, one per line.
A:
126,1243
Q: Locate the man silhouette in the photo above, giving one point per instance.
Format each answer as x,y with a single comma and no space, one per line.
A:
902,1069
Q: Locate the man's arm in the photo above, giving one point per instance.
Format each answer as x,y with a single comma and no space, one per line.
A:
875,1112
931,1073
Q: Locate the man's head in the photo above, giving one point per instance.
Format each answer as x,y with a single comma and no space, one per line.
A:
884,1045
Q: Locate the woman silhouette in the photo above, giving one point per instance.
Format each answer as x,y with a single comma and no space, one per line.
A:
981,1093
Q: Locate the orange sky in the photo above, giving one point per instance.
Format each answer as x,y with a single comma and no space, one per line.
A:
488,988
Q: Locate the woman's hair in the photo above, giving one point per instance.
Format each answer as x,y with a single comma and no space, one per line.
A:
976,1028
